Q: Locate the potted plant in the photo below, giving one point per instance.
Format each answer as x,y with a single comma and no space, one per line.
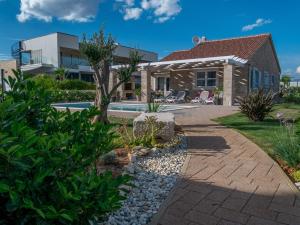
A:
138,93
218,95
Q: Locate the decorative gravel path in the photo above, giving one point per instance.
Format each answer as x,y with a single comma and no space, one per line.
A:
154,177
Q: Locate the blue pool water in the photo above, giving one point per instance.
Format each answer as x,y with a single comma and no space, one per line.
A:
118,106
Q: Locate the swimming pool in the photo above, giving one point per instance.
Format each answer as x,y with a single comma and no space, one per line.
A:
123,107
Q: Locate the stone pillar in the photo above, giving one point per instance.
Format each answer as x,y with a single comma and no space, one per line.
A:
228,84
146,85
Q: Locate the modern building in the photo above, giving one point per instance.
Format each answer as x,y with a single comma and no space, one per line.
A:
236,65
46,53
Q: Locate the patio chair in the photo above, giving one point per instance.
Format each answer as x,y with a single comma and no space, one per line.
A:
163,99
204,95
210,100
180,97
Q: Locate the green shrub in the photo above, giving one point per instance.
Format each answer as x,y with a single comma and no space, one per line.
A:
292,95
146,139
48,161
287,147
296,175
45,81
153,107
74,96
75,85
257,105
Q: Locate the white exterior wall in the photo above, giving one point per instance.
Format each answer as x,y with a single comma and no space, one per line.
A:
48,45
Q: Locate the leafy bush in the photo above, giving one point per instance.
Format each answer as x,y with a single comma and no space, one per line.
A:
296,175
74,96
292,94
45,81
257,105
48,161
287,147
75,85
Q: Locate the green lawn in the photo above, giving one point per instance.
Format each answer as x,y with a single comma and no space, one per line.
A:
262,133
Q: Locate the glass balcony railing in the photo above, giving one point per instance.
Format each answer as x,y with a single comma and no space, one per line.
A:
73,62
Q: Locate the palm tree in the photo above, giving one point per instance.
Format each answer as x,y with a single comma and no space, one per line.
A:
60,73
286,80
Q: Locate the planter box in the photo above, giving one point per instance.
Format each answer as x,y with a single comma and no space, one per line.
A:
168,120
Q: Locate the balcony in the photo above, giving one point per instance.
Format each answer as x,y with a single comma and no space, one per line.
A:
73,62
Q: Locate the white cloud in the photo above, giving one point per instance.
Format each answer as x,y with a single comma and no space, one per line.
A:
298,70
68,10
259,22
162,10
132,13
4,56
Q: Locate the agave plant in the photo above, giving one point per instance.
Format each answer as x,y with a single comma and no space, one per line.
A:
257,105
153,107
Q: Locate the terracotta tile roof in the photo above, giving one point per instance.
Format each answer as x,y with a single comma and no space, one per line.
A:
243,47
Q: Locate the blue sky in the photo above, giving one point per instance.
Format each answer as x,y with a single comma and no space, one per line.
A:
157,25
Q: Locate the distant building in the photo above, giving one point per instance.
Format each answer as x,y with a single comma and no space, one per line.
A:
46,53
8,65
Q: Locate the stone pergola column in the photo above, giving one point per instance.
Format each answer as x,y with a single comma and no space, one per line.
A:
228,84
146,85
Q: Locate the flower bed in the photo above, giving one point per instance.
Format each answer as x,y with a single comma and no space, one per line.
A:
154,176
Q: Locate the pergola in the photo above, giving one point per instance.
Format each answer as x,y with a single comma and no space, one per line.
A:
152,68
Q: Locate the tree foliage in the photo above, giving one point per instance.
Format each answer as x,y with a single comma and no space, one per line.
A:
98,50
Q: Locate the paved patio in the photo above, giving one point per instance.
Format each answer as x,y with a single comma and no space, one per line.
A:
227,179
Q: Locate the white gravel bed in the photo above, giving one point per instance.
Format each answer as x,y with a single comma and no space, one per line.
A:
153,178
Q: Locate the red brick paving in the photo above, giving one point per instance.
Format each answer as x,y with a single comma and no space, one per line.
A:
228,180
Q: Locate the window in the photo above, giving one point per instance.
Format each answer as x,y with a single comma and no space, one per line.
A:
88,77
266,81
160,83
207,79
167,84
72,76
211,79
128,86
255,78
137,82
201,79
273,80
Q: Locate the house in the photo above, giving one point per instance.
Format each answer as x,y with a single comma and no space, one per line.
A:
8,66
237,65
46,53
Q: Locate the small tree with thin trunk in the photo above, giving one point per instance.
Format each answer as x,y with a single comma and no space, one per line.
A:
98,50
286,80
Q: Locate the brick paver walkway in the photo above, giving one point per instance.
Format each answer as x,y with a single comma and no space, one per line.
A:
227,180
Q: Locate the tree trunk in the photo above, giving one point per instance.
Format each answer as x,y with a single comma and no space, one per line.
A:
101,100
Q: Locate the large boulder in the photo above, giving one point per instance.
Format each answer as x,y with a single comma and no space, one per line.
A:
166,119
